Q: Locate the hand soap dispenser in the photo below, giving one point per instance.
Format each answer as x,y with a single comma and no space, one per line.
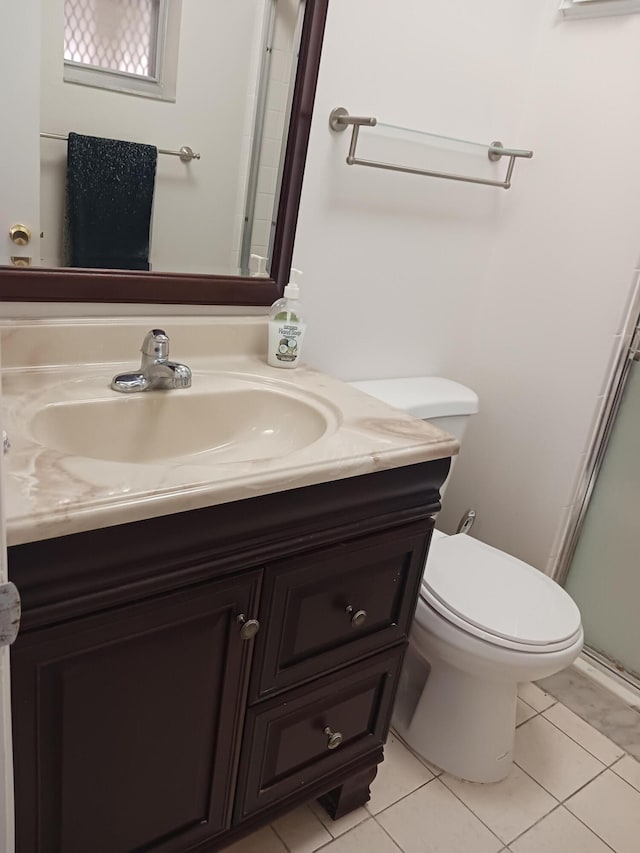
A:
286,326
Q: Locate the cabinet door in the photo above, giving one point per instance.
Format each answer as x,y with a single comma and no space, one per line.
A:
127,723
332,605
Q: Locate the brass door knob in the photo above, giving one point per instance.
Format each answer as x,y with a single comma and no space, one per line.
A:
335,738
20,234
250,627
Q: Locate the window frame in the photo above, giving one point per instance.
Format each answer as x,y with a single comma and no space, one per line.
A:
160,86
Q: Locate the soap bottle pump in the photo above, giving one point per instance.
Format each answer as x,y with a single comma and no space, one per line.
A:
286,326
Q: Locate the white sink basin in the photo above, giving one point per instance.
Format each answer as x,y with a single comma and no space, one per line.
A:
206,426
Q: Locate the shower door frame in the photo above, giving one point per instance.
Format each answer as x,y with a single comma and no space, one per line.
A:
627,351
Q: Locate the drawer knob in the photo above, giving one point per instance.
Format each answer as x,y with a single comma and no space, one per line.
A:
250,627
335,738
357,616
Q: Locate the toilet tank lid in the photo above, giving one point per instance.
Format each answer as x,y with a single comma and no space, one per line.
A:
423,396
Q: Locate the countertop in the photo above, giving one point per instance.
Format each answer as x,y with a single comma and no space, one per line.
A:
51,493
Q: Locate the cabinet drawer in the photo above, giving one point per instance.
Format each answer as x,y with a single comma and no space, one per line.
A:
288,740
330,606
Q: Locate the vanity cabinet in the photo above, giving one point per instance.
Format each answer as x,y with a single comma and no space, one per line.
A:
149,716
132,713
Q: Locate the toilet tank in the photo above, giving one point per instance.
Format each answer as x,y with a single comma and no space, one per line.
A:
442,402
445,403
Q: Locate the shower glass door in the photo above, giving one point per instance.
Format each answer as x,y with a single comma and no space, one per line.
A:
604,577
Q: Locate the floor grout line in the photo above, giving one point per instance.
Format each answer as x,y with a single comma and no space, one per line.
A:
591,829
582,787
532,717
535,823
582,746
336,837
555,797
562,804
468,808
626,781
281,839
415,754
610,699
403,797
387,833
559,803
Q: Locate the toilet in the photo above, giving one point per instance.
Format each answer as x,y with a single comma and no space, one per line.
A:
485,621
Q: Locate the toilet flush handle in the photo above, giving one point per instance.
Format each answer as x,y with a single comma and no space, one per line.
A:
466,522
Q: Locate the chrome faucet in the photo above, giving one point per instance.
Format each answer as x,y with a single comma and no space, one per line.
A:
156,372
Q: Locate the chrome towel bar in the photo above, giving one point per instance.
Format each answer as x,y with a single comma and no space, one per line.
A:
340,119
186,154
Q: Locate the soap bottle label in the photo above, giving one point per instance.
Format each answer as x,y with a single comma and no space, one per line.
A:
290,339
285,343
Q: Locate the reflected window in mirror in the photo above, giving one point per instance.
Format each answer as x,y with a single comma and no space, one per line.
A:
129,46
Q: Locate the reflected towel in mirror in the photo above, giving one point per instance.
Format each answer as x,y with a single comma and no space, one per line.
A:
109,202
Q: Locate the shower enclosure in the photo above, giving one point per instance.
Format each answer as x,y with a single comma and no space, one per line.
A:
602,554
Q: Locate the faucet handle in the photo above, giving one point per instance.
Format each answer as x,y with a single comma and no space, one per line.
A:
156,344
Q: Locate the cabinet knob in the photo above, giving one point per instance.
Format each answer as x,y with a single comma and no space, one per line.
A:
250,627
335,738
357,616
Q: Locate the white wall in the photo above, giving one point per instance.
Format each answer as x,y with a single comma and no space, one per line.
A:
196,218
518,293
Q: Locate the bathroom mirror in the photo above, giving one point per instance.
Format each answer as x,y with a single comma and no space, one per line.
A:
186,285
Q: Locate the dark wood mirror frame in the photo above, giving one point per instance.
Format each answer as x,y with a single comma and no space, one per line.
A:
27,284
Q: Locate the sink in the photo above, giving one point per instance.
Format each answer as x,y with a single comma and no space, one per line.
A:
206,427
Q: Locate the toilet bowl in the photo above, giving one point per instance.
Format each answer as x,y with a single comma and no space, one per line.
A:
485,621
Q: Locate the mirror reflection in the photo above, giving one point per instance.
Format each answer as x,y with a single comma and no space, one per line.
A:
215,76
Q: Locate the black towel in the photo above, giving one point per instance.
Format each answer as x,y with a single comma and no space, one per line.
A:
109,200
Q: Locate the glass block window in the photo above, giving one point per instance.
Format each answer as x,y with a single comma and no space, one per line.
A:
114,35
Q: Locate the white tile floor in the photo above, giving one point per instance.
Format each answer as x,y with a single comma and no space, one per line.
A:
571,790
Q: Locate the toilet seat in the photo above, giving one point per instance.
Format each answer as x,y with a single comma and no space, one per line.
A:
497,597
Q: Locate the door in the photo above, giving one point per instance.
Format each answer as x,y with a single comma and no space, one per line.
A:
19,204
20,136
604,576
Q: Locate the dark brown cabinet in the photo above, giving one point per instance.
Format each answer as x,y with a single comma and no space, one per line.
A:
336,604
132,712
144,721
303,734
